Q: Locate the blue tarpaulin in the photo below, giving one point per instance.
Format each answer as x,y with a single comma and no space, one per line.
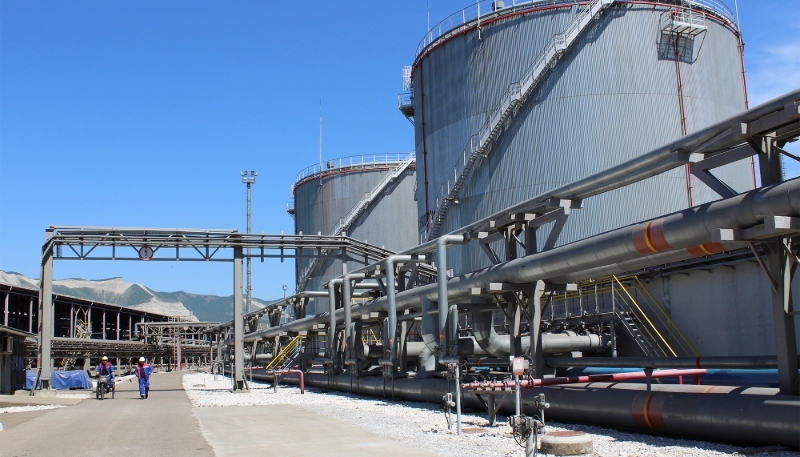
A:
59,380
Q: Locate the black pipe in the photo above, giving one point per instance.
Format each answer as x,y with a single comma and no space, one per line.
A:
731,415
723,362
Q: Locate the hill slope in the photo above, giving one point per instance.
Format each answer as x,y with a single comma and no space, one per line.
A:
115,291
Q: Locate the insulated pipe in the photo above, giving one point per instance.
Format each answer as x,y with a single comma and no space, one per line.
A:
446,339
348,320
614,377
552,343
332,312
742,416
721,362
391,335
678,235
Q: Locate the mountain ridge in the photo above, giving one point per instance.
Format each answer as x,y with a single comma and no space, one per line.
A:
115,291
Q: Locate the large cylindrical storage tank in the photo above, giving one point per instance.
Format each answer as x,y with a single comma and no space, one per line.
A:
326,195
625,86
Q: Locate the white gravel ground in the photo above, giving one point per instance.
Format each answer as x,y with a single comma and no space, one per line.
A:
423,425
22,409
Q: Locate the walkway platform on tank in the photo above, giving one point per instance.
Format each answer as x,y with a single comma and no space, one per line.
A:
167,425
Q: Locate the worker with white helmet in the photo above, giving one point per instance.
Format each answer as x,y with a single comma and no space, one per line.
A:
143,371
106,368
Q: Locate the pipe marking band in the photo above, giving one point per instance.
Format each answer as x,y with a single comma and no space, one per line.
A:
647,410
706,249
649,238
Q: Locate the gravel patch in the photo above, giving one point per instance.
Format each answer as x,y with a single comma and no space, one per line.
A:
424,425
22,409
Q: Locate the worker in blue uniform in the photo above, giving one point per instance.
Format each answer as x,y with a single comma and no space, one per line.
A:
143,371
106,368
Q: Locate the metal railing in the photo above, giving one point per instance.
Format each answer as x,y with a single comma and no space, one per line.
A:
289,349
624,297
360,161
683,20
404,99
485,10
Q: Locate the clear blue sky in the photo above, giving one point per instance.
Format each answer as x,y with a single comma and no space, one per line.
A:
144,113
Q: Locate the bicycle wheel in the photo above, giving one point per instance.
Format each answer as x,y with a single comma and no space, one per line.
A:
102,392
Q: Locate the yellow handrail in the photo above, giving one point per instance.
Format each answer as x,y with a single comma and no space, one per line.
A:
284,352
645,317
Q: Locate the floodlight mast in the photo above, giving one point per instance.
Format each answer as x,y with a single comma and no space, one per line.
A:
248,179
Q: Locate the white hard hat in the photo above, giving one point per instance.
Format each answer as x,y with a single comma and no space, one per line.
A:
105,358
141,359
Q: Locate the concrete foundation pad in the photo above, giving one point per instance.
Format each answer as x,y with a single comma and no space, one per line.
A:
282,430
566,443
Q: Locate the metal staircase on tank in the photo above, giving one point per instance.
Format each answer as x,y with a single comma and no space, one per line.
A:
361,206
510,103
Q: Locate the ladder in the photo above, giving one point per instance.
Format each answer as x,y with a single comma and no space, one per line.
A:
645,346
345,222
368,197
510,103
288,352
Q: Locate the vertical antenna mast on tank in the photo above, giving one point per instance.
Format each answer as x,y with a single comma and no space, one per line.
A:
320,141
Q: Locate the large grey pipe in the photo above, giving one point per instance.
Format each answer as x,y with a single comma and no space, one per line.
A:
747,417
447,338
552,343
349,342
331,316
586,258
722,362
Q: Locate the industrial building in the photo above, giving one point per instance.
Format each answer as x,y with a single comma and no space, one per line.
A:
582,197
544,130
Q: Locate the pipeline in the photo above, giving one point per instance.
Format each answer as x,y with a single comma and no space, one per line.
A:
277,374
675,237
722,362
740,416
552,343
765,377
611,377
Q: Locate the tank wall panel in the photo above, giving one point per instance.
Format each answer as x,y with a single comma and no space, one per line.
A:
723,311
612,96
389,221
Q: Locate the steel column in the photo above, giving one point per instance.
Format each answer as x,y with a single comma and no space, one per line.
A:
332,324
238,321
46,311
535,314
780,275
5,307
781,269
392,318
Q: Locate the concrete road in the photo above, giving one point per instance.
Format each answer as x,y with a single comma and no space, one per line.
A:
167,425
285,430
162,425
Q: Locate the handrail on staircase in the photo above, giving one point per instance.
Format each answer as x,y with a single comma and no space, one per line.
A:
647,319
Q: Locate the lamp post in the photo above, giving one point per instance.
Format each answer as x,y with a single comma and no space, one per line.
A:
248,179
284,290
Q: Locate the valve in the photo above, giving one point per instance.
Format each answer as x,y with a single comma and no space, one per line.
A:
526,429
447,401
451,370
447,405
